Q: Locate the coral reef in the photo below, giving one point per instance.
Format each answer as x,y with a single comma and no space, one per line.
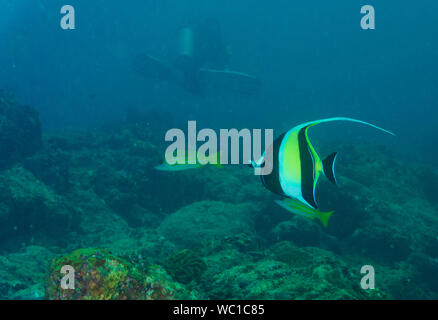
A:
100,275
212,233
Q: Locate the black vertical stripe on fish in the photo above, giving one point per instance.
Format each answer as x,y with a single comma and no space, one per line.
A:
307,169
329,167
272,181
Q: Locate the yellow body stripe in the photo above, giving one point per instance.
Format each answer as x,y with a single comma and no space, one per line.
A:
290,165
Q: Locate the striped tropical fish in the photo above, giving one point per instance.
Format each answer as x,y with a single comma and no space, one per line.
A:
297,168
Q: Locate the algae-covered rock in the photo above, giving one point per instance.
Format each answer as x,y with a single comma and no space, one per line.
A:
20,131
185,266
305,274
28,207
426,269
296,257
299,230
99,275
204,221
22,273
227,183
382,242
243,241
52,166
389,201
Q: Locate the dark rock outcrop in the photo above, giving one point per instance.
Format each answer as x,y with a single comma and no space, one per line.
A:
20,131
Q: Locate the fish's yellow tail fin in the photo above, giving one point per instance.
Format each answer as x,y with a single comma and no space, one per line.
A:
324,217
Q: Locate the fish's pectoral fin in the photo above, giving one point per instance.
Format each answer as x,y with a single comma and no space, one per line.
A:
329,167
324,217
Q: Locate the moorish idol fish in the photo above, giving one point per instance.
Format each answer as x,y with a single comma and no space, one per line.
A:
182,164
297,168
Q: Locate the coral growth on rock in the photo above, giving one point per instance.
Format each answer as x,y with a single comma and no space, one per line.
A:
201,222
28,208
185,266
100,275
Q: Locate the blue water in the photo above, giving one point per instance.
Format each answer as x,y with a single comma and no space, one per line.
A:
313,58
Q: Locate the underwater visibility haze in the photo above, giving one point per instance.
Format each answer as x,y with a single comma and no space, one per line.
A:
91,90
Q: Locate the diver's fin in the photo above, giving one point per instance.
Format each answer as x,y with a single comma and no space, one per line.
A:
231,81
329,167
324,217
149,66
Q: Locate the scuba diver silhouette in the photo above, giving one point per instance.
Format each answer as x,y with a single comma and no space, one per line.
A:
201,65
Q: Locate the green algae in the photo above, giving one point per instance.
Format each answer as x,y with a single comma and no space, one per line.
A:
185,266
99,275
